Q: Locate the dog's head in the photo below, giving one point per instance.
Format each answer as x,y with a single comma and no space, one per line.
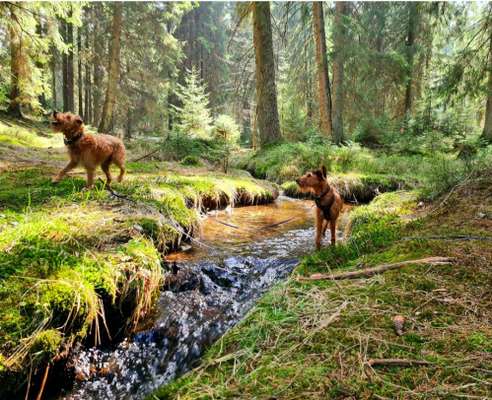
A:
312,180
67,123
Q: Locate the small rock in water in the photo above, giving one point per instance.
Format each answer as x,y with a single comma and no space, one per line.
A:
185,247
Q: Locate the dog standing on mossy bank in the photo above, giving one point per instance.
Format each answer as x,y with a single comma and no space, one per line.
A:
327,199
88,150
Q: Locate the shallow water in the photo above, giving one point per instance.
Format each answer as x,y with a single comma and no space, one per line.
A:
241,253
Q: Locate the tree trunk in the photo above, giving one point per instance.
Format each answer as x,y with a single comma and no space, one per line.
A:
68,78
339,40
18,63
113,69
325,122
54,68
487,127
410,53
267,121
98,55
87,85
80,85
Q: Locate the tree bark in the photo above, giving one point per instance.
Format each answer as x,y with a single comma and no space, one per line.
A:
339,40
80,84
68,78
324,94
267,120
113,69
98,73
87,85
487,127
17,64
410,53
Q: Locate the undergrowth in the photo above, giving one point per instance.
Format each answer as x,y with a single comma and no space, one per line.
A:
432,173
314,339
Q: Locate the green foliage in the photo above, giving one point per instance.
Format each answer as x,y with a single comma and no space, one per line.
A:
194,116
226,136
192,161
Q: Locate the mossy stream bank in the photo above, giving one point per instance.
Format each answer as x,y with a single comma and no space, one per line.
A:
316,339
82,266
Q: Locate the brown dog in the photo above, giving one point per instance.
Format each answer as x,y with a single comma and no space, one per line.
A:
88,150
327,199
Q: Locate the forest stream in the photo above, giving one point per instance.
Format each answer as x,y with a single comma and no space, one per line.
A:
241,253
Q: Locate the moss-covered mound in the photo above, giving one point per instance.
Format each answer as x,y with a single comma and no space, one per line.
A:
315,339
354,188
85,265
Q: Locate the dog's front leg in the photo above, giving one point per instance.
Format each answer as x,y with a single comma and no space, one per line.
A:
319,228
333,231
71,165
90,178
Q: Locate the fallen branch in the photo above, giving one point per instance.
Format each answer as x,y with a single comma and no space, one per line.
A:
227,224
367,272
450,237
276,224
146,155
43,383
396,362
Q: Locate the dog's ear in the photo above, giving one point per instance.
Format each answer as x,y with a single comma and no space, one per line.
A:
319,174
323,171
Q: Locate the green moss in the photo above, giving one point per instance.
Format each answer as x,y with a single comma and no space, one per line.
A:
47,342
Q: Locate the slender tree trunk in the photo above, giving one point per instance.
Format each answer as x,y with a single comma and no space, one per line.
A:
324,94
98,55
41,32
87,85
80,85
70,71
339,40
18,63
267,121
410,53
487,127
68,78
63,28
54,68
113,69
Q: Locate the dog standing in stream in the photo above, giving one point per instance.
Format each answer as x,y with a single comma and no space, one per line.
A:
328,202
88,150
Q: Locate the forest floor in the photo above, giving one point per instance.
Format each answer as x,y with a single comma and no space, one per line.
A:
319,339
80,264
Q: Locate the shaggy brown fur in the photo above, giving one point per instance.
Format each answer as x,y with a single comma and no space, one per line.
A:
328,202
88,150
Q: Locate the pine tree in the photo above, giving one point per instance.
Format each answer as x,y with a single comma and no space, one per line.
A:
193,114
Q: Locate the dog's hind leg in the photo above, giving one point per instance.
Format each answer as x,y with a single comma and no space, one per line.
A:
119,160
105,167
